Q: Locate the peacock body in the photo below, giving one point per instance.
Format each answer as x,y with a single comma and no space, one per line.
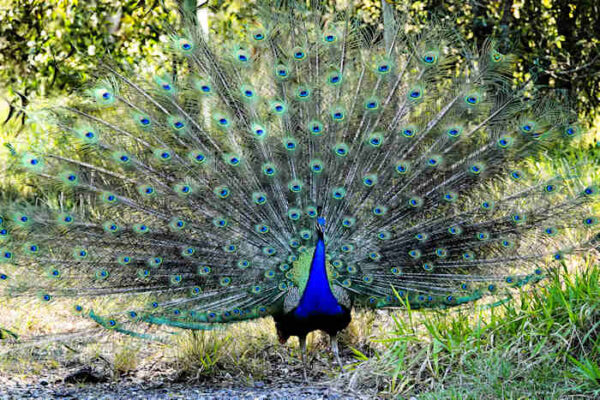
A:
316,166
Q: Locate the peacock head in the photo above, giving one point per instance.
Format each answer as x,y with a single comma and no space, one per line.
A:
320,226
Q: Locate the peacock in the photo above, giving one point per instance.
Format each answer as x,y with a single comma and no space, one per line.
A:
315,166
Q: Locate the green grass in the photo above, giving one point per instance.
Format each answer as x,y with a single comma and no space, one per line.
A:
542,345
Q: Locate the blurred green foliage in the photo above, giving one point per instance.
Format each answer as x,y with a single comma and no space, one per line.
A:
48,46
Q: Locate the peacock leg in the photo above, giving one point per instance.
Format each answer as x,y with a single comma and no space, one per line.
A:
303,355
336,352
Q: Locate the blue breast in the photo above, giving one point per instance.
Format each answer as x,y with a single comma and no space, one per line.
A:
317,299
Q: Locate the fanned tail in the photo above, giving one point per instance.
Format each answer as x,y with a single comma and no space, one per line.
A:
193,202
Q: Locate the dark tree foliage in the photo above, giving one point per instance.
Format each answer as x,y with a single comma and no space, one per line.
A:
46,45
557,40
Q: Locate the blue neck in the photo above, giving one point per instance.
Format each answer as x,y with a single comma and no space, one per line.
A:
317,299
